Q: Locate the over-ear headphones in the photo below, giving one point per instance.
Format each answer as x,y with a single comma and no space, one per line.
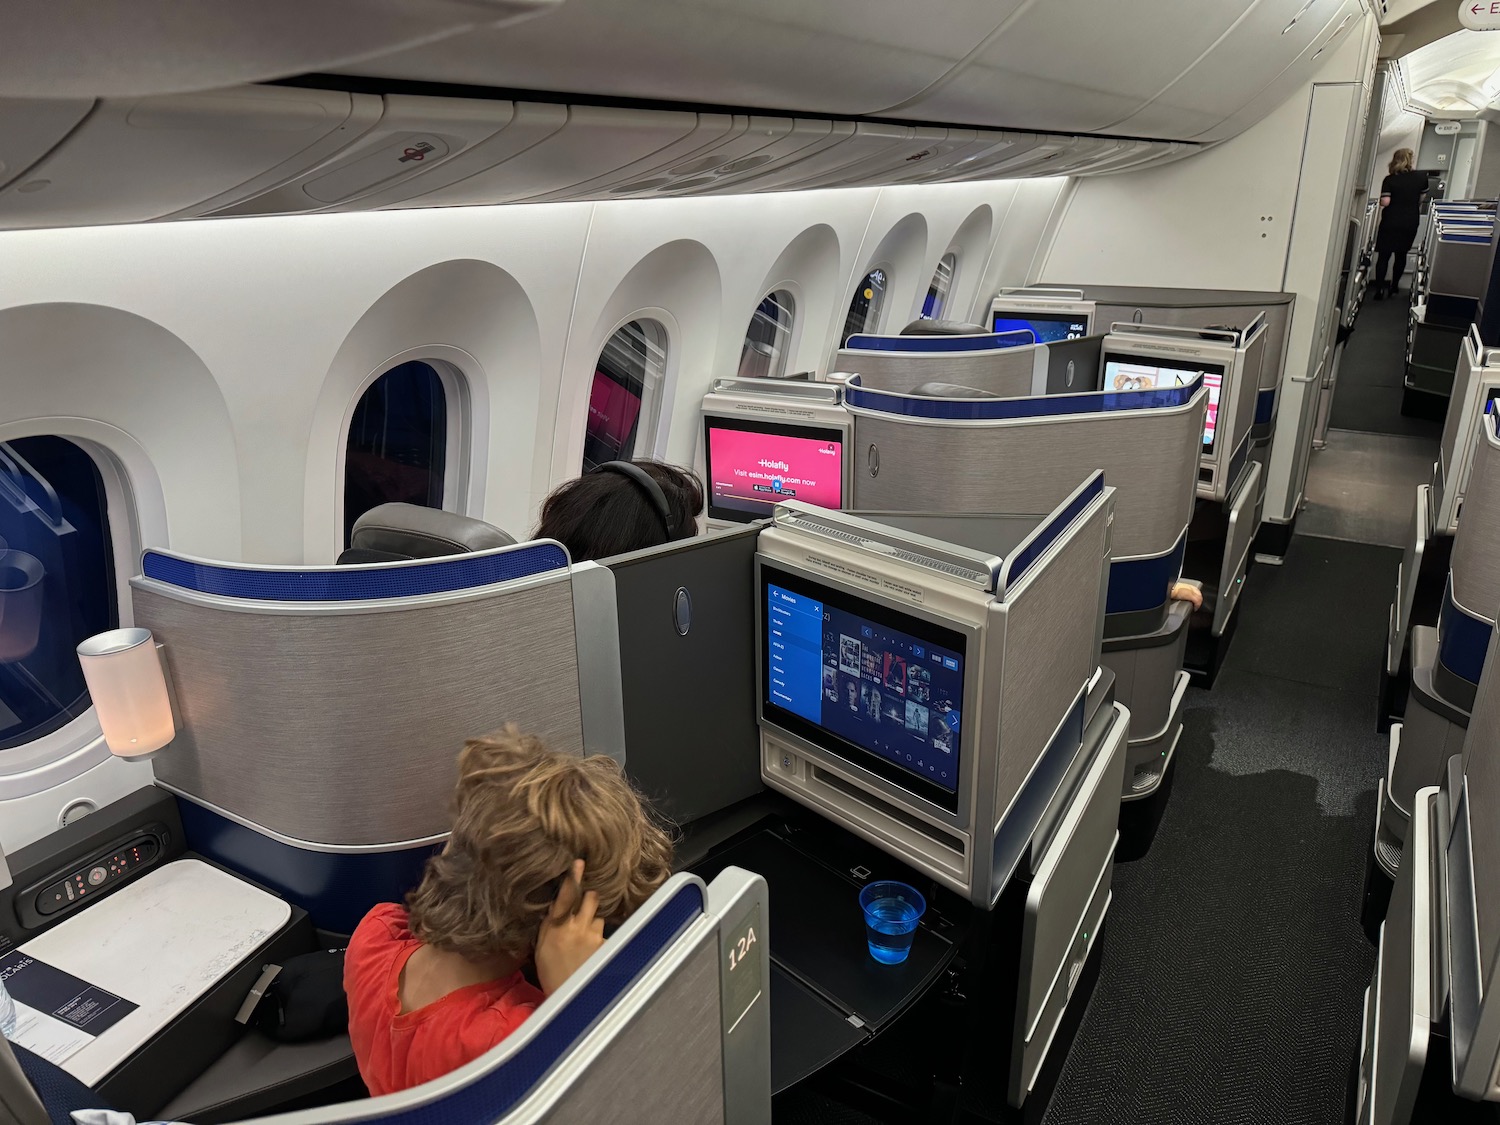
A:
647,484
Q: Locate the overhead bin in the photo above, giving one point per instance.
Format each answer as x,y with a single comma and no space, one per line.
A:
764,141
589,144
262,150
413,136
823,58
135,159
30,128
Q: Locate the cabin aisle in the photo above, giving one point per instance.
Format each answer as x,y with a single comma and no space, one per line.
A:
1370,374
1234,962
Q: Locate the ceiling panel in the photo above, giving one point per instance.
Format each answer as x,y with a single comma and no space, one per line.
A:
1273,34
30,128
1455,72
82,48
824,56
1077,68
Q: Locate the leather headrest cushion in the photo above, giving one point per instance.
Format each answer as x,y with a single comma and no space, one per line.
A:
943,328
410,531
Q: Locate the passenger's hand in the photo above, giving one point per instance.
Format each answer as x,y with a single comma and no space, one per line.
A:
570,933
1187,592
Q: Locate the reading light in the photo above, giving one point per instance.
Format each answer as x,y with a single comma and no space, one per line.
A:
128,684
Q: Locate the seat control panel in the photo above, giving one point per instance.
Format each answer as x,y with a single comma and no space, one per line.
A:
94,875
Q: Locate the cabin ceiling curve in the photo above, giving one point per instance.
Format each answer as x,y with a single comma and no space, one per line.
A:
1142,69
644,99
1453,76
80,48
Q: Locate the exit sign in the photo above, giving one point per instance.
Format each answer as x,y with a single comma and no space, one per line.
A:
1480,15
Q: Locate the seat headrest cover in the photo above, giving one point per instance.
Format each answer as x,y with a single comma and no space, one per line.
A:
943,328
410,531
951,390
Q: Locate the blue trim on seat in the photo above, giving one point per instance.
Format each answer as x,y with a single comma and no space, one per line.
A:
490,1096
335,888
1140,584
1265,406
1463,638
933,345
1043,537
1002,409
1471,239
355,583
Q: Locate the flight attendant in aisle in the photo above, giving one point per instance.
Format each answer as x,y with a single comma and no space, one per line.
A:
1401,210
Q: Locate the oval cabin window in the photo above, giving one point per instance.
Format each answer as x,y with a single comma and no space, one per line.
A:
864,308
57,582
398,443
937,292
768,339
625,398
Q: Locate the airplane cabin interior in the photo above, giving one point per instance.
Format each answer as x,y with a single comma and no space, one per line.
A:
650,561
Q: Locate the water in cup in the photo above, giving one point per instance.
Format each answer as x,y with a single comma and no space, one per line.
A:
892,911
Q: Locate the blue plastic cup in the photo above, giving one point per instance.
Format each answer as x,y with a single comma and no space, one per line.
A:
892,911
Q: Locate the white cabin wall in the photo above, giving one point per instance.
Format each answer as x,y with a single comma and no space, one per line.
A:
287,319
1264,211
217,362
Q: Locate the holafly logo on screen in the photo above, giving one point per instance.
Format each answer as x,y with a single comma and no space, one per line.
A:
759,469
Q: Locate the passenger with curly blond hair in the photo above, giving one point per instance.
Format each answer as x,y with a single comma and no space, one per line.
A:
547,849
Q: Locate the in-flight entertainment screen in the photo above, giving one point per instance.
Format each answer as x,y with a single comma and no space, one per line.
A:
875,686
753,466
1144,373
1049,328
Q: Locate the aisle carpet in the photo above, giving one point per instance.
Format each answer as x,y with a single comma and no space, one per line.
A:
1369,388
1234,963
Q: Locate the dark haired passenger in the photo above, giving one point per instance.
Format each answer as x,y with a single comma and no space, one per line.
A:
610,510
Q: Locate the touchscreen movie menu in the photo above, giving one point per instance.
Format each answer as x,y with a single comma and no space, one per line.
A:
870,684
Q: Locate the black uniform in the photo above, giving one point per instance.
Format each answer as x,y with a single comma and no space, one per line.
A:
1398,221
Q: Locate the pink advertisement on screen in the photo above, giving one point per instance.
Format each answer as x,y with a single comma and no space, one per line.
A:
752,471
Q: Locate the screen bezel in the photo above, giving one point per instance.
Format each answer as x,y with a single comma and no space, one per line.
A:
907,781
1203,366
1049,316
777,429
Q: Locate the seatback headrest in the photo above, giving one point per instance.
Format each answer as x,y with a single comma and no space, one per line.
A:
943,328
938,389
410,531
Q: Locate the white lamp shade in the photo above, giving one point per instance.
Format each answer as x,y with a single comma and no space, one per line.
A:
129,690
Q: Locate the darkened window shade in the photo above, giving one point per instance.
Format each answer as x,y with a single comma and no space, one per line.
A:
864,308
398,443
57,582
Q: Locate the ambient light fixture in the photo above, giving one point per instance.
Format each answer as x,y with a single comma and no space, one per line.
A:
128,684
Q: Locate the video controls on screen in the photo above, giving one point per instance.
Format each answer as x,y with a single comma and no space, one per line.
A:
882,690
